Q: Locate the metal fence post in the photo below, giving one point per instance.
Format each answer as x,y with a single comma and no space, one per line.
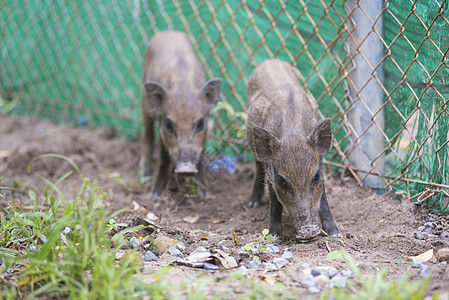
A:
366,117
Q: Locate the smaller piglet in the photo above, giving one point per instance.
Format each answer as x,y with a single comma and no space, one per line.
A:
289,143
178,96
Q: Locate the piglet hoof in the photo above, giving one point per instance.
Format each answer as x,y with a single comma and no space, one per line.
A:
254,203
333,233
153,196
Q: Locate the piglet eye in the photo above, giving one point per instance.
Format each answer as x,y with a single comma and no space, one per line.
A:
169,126
281,181
316,178
200,124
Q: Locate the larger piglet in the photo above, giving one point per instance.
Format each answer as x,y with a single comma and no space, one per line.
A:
179,98
284,133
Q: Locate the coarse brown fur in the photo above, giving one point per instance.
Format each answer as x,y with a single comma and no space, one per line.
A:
179,98
284,132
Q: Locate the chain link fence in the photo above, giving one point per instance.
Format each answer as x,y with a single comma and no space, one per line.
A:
378,69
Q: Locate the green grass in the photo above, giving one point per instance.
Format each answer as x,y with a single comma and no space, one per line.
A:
81,264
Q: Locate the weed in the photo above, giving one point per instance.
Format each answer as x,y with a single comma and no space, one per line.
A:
375,286
254,250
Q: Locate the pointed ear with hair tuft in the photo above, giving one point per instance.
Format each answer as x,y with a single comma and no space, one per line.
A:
155,95
211,91
321,137
265,144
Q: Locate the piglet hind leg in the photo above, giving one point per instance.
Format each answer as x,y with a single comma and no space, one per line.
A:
327,219
258,187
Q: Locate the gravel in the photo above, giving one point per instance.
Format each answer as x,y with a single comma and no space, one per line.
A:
66,230
181,247
338,281
347,273
417,263
420,235
254,264
273,248
288,255
150,256
174,251
308,280
280,262
210,267
424,272
232,260
322,282
133,242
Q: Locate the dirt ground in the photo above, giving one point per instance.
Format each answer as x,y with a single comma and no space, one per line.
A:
377,230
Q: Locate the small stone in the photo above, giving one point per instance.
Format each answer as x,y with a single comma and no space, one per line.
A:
444,262
146,246
221,246
162,244
243,253
346,273
427,230
420,235
174,252
444,235
242,270
442,254
149,256
210,267
338,281
273,248
280,262
322,282
417,263
66,230
134,242
232,260
313,289
254,264
269,266
203,243
424,272
32,248
421,228
430,224
288,255
332,271
212,235
304,266
181,247
430,219
308,280
319,271
199,249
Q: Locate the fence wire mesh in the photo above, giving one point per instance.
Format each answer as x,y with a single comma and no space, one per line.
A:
81,61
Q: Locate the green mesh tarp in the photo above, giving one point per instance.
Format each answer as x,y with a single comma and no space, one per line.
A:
77,61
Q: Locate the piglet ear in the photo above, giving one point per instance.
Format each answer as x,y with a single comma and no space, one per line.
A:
155,95
265,144
321,137
211,91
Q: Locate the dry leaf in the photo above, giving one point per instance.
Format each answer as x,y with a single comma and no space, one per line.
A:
426,256
271,278
191,219
152,217
196,259
223,263
8,153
